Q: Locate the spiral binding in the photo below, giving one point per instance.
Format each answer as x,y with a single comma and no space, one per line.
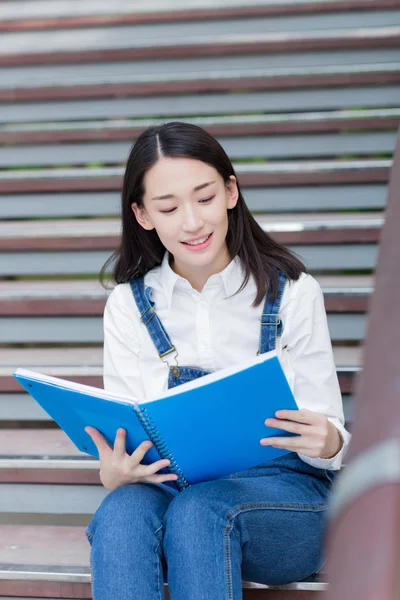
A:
161,447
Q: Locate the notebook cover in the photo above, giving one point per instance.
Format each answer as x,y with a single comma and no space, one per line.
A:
73,410
211,431
214,438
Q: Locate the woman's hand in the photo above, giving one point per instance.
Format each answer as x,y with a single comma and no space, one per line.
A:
118,468
318,437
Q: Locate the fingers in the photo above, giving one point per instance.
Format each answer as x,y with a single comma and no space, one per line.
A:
291,426
305,416
296,444
119,443
98,440
156,466
138,455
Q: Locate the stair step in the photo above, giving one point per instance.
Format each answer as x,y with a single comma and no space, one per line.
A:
92,289
53,561
60,15
117,84
99,234
241,125
290,173
88,297
84,365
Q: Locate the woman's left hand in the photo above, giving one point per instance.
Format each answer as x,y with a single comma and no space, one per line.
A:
318,437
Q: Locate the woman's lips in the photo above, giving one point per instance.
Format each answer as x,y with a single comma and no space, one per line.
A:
197,247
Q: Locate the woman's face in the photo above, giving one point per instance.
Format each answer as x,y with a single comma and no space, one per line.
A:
186,200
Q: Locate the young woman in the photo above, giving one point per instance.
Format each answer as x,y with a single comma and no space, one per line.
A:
200,287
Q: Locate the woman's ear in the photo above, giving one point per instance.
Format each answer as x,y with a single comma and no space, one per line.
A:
141,216
232,192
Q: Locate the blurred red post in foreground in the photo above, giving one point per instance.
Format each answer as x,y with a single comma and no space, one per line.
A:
364,536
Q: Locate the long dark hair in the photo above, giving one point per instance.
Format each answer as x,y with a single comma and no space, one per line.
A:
141,250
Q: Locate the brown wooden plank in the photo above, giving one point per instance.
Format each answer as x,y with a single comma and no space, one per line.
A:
55,476
43,545
177,87
8,383
92,288
79,184
324,236
70,357
248,11
336,125
44,589
53,307
42,442
334,303
48,589
215,47
47,549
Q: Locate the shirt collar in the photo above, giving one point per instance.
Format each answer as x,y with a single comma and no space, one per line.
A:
231,277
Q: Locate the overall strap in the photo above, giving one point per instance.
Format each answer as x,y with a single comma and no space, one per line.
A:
271,324
149,317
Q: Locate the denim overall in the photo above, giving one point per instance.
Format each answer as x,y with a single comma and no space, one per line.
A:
271,326
265,524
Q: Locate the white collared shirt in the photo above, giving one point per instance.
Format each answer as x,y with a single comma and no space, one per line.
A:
212,331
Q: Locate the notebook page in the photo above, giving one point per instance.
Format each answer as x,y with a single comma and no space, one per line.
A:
215,376
77,387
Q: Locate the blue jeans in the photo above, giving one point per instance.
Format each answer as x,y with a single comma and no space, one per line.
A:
265,524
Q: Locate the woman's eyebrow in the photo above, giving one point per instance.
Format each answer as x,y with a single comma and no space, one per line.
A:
196,189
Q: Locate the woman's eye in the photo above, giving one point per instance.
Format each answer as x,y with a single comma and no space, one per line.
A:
171,210
166,212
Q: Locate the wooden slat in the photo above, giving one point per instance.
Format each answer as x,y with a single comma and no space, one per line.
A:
93,289
69,363
49,443
232,12
8,383
56,358
51,561
351,77
279,174
271,148
272,200
243,45
205,104
334,236
334,303
334,122
54,476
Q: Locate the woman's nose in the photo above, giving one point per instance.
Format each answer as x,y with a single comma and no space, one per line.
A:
192,220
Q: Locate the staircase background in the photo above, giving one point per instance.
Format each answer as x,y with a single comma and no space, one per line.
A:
305,98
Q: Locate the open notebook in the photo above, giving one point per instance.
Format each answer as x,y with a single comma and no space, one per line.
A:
209,427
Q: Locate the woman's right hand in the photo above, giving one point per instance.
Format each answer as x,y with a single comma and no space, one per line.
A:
118,468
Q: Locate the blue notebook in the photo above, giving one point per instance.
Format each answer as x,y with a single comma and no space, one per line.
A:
208,428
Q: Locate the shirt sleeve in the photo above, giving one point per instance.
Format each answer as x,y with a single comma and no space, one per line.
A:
121,372
309,347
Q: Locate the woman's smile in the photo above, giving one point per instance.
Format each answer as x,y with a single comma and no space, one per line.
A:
199,243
